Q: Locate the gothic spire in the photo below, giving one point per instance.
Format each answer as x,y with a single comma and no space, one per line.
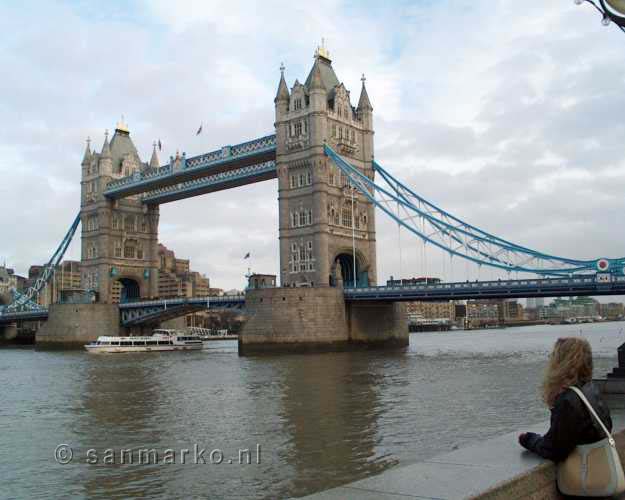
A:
364,103
87,156
154,160
106,149
283,90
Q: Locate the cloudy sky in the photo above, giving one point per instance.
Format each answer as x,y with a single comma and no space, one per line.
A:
505,113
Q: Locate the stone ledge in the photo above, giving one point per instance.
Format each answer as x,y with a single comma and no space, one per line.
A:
495,469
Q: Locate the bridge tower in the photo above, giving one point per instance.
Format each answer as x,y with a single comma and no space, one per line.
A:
322,220
119,237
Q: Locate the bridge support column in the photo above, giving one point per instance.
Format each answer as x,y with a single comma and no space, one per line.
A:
378,324
317,319
71,326
10,332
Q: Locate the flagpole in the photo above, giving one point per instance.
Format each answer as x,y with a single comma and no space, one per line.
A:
353,233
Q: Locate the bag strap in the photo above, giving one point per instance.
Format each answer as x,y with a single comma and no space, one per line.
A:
592,411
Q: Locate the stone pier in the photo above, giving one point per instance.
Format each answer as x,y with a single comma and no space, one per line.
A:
317,319
71,326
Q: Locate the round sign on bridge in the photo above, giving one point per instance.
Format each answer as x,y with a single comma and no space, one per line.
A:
615,9
603,265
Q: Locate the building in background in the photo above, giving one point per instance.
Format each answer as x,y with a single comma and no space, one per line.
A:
65,282
175,279
613,311
444,310
8,280
488,312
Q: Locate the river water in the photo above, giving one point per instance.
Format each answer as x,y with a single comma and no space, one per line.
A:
310,422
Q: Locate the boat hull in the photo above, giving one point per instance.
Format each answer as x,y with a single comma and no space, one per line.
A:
99,349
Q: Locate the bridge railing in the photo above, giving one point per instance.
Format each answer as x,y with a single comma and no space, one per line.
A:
583,282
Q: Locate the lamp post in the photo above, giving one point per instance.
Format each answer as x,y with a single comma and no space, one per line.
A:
612,11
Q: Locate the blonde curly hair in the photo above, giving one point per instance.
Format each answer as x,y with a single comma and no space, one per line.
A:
570,363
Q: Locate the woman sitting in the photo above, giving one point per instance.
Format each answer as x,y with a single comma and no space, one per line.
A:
570,364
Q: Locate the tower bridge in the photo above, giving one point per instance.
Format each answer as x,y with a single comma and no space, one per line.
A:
330,191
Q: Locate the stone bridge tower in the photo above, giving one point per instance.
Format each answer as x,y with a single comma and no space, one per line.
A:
119,237
321,218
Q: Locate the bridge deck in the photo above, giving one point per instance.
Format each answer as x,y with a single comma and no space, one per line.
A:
226,159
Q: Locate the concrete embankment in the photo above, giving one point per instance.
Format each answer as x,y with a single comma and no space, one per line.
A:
495,469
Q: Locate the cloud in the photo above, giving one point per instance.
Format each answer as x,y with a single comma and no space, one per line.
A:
505,113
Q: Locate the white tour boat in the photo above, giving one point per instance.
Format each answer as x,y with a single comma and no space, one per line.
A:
167,341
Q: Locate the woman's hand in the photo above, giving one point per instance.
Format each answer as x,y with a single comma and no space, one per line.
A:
528,439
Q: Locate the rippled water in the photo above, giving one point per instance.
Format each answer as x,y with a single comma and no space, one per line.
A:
320,420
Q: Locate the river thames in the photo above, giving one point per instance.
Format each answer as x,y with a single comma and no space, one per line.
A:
310,422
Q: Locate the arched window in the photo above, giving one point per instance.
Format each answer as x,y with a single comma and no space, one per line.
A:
308,178
139,251
309,221
115,222
118,249
293,219
302,180
302,218
340,132
334,130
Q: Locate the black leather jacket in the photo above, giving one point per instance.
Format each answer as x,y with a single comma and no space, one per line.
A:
571,424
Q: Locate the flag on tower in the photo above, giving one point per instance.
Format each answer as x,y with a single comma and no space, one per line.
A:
160,146
199,131
247,256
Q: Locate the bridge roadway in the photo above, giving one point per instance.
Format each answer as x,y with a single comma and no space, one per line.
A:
155,311
582,285
201,174
146,312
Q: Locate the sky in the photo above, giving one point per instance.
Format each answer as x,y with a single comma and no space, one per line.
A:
507,114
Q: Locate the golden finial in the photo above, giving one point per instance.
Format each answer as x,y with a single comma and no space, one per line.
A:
121,125
322,51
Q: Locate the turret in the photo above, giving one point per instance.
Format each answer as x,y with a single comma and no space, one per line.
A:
154,160
365,110
106,160
86,159
282,96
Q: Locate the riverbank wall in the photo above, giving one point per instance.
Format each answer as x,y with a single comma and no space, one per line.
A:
495,469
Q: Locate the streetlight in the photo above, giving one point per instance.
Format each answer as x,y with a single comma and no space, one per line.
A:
610,10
